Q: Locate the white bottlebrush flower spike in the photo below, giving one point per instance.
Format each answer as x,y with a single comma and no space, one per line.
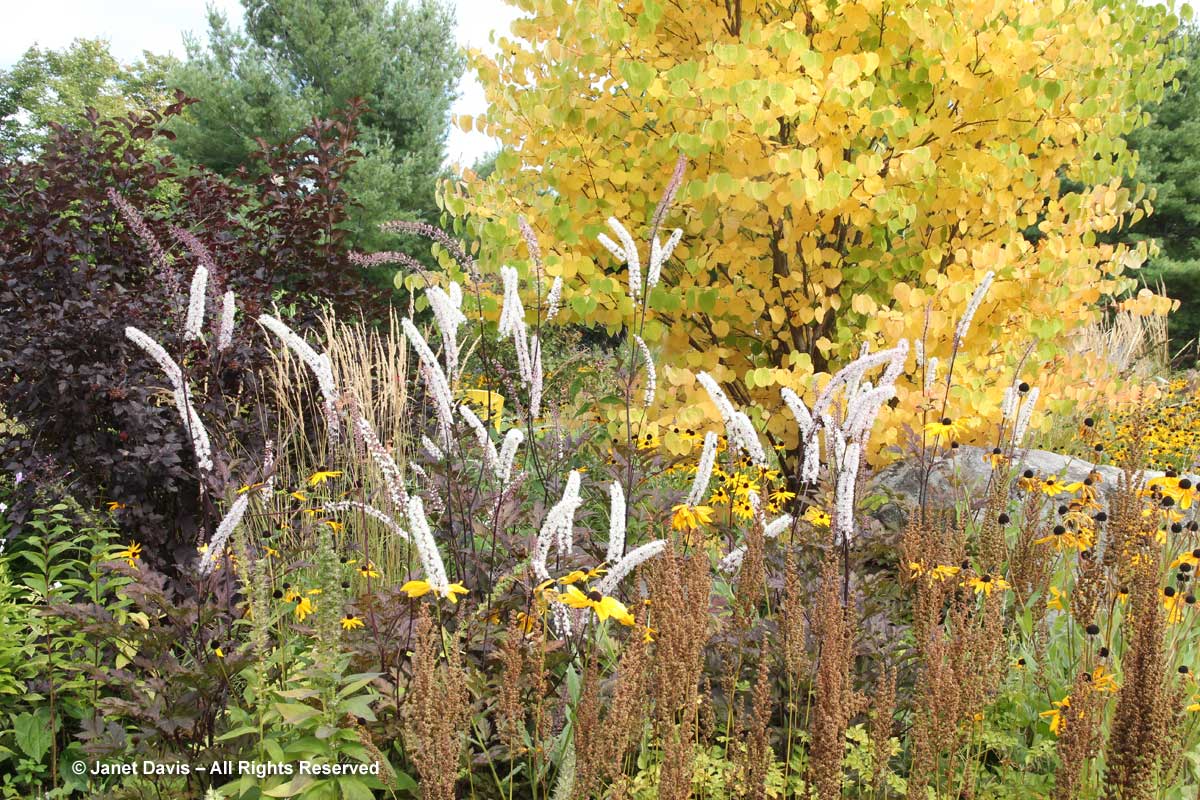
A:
626,253
179,392
964,323
738,428
427,550
704,469
447,314
393,480
318,363
1024,417
651,375
195,311
216,547
435,380
155,351
490,457
225,332
554,298
508,454
626,565
343,506
616,523
558,527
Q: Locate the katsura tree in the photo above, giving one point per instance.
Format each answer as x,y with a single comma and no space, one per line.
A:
854,170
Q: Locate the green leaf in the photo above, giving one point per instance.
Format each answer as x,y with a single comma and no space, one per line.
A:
354,789
296,713
292,788
637,75
32,734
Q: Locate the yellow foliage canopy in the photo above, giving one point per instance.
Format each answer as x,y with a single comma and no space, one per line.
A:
854,168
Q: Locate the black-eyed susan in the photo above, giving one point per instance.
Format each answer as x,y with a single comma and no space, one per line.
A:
685,517
415,589
1055,715
605,606
350,622
1174,603
367,570
1057,598
321,476
304,607
950,428
986,584
817,517
131,554
114,505
939,572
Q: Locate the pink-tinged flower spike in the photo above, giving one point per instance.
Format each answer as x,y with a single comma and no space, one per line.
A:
490,457
370,511
964,324
651,375
1024,417
508,454
318,364
393,480
216,547
616,523
627,253
225,333
195,312
625,566
554,298
427,551
708,458
738,428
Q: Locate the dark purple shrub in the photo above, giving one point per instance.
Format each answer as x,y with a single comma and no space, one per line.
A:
91,241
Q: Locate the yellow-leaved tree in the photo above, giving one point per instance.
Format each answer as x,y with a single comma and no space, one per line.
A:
854,169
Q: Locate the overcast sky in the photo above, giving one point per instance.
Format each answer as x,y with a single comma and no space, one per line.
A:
158,25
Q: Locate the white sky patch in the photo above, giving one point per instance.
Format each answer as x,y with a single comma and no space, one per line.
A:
132,26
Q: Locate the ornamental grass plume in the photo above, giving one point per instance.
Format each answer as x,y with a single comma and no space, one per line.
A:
438,709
